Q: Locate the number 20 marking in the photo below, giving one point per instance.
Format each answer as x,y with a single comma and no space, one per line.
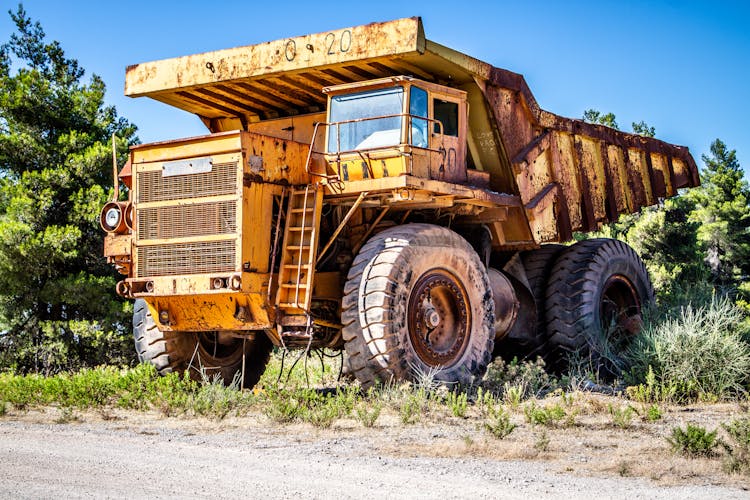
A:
345,42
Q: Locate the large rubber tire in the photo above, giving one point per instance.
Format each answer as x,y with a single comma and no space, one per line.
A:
595,297
418,300
537,265
181,351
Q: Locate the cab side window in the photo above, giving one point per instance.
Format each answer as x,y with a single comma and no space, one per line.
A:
418,107
446,112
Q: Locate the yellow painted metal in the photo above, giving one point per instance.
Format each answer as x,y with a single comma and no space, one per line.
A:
218,312
283,57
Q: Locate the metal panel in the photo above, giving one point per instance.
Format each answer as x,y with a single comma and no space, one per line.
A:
152,186
337,47
187,258
182,221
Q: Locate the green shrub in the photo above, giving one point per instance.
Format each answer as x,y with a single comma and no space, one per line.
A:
458,403
693,441
529,378
699,354
548,415
498,423
323,412
542,441
367,412
411,407
622,417
653,413
212,399
738,446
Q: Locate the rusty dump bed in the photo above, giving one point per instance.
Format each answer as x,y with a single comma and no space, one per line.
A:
569,175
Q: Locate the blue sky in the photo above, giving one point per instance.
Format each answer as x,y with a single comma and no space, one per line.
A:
682,66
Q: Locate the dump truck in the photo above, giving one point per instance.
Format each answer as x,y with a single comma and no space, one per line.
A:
372,191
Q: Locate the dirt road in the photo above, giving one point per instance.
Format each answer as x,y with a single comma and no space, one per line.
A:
151,457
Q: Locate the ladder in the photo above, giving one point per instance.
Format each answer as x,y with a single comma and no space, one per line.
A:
298,254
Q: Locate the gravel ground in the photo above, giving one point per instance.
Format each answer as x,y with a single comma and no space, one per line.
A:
150,457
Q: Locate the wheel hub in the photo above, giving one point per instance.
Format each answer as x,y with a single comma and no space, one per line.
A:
620,307
438,318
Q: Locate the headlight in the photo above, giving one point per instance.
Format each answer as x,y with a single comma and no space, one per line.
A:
111,218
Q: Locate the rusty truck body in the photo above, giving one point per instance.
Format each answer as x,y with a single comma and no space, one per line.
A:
371,190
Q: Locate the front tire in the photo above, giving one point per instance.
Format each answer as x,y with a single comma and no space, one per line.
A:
417,301
198,353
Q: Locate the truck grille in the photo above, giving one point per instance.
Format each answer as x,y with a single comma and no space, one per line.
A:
187,258
182,221
222,179
178,218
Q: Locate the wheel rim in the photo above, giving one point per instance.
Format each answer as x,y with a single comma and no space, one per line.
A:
620,308
439,318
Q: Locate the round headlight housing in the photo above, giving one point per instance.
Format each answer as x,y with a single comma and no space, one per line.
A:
112,219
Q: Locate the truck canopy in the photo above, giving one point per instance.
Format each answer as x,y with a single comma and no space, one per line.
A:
569,175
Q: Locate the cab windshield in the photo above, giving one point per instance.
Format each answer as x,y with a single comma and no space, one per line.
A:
376,127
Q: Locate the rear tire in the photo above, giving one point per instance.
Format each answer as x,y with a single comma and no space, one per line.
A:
595,297
198,352
537,265
418,300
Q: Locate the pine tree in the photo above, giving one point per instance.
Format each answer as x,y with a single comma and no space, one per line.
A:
723,211
57,305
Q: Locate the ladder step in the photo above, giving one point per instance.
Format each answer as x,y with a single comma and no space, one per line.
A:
302,210
290,304
293,285
300,228
298,247
302,266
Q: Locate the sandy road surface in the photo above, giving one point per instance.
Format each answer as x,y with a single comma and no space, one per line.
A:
157,458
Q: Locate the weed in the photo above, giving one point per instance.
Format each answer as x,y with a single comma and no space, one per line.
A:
542,441
528,377
699,354
215,400
622,417
322,413
738,447
67,415
653,413
367,412
411,408
485,401
693,441
426,379
3,407
499,424
657,391
548,415
513,394
281,406
458,403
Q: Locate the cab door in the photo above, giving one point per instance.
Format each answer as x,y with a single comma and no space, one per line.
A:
448,138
